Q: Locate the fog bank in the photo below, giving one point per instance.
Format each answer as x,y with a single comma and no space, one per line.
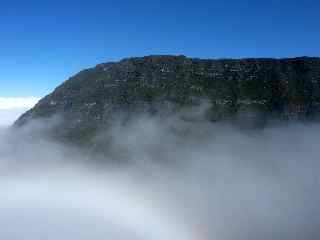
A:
182,180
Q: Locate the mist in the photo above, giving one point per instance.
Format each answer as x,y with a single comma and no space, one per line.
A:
180,179
13,107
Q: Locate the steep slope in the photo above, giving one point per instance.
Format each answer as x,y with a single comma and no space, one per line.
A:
245,91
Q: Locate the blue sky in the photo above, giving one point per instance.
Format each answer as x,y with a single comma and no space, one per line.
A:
42,43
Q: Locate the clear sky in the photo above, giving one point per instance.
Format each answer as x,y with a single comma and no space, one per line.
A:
44,42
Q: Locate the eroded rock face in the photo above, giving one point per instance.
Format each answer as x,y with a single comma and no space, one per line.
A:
246,91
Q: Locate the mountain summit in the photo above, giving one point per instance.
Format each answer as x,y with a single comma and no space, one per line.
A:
245,91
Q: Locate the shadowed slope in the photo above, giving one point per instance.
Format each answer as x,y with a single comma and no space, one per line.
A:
245,91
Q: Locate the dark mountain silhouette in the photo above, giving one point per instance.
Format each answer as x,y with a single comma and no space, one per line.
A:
250,92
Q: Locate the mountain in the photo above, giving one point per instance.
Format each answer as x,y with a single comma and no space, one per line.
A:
244,91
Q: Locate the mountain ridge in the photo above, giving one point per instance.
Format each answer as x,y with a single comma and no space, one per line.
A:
249,91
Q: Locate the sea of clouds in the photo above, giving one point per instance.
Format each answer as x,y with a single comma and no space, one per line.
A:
182,180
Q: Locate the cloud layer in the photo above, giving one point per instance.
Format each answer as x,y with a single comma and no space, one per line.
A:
162,178
12,107
165,179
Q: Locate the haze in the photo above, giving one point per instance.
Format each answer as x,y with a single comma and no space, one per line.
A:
180,180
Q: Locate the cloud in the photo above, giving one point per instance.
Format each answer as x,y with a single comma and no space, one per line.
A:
12,107
17,102
165,178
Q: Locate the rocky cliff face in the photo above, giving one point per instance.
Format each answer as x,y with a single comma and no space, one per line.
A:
246,91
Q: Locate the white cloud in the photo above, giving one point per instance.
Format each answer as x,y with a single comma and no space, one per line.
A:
12,107
17,102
